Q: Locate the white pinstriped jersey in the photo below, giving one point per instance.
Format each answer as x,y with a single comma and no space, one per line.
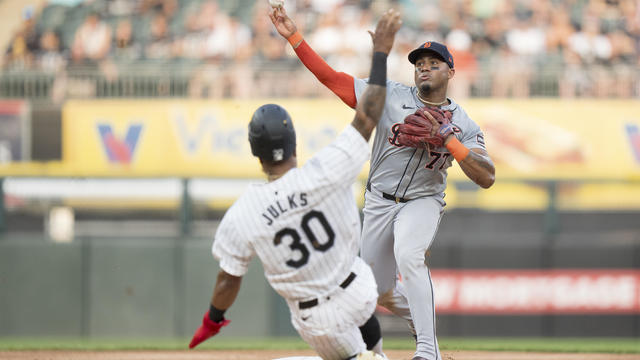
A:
304,226
407,172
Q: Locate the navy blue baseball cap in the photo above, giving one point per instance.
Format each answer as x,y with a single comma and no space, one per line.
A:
435,47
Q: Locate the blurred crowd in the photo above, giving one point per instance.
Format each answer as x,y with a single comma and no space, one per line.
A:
229,48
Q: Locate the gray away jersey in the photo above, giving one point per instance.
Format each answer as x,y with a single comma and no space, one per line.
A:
304,226
408,172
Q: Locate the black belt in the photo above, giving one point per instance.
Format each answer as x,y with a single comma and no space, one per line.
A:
389,196
313,302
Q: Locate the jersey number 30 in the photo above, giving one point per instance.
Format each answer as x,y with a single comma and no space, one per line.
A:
296,244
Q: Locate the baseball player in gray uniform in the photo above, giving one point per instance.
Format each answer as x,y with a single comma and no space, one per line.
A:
304,226
404,201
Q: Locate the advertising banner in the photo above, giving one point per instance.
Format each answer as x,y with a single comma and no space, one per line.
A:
535,292
14,131
533,139
182,137
558,291
561,138
530,139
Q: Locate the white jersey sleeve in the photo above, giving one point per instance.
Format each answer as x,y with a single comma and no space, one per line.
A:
342,160
233,252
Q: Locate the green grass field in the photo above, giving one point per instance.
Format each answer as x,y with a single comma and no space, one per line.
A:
590,345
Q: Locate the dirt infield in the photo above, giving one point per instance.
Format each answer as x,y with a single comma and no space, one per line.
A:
274,354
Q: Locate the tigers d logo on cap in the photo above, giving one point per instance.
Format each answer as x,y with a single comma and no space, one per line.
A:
435,47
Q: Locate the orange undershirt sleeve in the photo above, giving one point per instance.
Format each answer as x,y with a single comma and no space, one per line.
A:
340,83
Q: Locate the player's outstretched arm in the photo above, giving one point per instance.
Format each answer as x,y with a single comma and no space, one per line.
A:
224,294
372,102
340,83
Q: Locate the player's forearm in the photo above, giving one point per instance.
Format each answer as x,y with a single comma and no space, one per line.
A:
340,83
369,110
475,163
479,168
226,290
372,102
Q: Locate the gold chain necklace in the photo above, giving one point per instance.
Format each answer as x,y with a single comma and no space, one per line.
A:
429,102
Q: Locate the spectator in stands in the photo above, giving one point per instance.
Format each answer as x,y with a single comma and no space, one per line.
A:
559,31
50,57
624,63
327,35
586,47
265,42
527,42
595,51
125,48
510,74
23,44
268,55
459,43
573,81
430,24
355,42
227,72
92,40
592,46
160,45
168,8
220,36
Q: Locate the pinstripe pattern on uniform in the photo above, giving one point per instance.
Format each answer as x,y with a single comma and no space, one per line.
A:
323,184
331,327
315,200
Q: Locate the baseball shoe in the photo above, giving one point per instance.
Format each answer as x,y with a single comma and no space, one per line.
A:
418,358
369,355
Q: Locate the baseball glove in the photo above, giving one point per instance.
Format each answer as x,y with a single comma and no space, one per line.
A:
416,131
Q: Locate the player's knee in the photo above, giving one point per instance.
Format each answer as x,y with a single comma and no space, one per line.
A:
371,333
410,263
409,259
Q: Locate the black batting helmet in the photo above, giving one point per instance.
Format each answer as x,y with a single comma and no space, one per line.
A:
271,133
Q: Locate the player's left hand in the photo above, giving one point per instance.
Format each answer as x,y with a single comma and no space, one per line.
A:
208,329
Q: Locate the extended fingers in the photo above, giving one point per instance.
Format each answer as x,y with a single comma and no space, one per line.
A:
434,122
390,20
394,20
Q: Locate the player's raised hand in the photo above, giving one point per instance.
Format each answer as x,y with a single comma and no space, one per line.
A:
283,23
386,30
